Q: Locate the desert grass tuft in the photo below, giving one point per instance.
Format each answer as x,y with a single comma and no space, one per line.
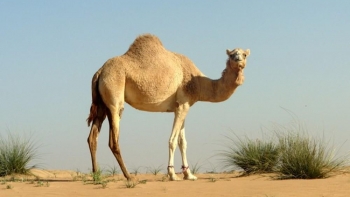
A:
113,170
155,170
9,186
136,170
16,153
195,168
293,155
305,157
253,156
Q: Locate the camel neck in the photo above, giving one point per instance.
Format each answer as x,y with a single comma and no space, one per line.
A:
220,89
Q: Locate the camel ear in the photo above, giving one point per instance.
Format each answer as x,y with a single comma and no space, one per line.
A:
247,52
228,52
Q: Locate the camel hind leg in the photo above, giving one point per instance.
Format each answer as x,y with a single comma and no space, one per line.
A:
114,116
112,89
94,132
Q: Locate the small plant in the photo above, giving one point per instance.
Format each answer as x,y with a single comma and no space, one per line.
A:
97,176
213,169
39,184
84,179
113,170
16,153
104,184
155,170
42,184
195,168
212,179
136,171
143,181
130,184
9,186
165,178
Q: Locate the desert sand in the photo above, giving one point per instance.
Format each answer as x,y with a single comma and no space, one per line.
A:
63,183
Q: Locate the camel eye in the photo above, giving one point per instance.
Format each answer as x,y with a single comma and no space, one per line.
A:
245,55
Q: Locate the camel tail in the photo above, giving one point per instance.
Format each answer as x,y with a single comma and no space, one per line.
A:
96,98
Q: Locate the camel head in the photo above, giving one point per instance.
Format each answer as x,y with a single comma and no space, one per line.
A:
237,59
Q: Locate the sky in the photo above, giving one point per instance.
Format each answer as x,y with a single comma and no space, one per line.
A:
49,51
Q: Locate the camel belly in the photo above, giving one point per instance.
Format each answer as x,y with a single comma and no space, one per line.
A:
151,98
151,104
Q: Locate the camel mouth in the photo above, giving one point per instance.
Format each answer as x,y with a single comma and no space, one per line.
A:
241,67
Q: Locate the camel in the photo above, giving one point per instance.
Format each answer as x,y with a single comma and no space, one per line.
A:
150,78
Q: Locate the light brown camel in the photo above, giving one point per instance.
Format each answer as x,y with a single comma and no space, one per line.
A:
151,78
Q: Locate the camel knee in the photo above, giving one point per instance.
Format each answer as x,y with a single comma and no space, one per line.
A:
92,139
172,144
114,147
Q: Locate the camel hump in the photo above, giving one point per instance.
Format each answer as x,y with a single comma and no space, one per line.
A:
145,44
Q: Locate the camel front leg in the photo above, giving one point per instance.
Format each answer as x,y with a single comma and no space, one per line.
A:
180,115
183,147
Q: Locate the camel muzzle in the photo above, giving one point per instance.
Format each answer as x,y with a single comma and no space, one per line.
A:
236,57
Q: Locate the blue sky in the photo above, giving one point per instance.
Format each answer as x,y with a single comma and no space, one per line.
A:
49,51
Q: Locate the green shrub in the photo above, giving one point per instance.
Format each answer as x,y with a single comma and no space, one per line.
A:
296,155
303,157
97,176
253,156
16,153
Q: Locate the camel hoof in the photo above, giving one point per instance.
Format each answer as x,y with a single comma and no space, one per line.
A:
174,178
190,177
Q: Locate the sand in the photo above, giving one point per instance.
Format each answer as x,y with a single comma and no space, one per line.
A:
63,183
